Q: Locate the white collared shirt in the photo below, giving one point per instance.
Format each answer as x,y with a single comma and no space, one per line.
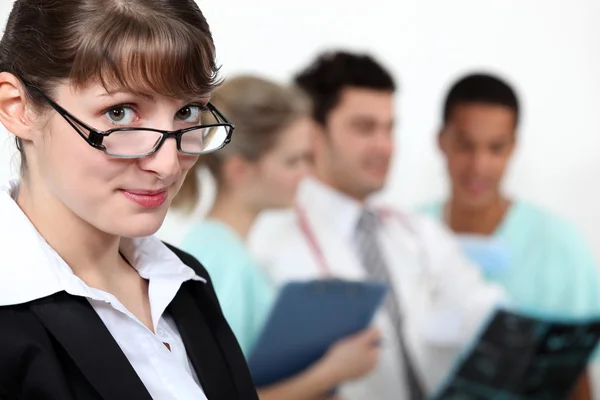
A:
31,269
443,296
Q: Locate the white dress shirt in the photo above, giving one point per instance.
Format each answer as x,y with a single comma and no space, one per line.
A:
31,269
444,299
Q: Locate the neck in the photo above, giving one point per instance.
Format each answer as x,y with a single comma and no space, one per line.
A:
234,212
335,185
89,252
482,220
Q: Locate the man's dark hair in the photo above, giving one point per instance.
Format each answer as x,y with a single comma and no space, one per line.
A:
481,88
333,72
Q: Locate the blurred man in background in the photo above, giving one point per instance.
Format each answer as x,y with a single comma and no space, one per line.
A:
438,298
541,260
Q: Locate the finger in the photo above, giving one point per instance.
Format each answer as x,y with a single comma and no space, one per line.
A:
371,335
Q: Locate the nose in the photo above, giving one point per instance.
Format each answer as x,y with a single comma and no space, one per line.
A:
480,162
164,163
383,141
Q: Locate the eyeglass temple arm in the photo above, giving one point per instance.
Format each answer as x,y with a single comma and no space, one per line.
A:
214,109
94,136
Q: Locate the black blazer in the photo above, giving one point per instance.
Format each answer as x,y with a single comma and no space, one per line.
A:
57,348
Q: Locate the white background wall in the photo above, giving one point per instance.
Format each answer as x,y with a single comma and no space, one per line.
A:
550,50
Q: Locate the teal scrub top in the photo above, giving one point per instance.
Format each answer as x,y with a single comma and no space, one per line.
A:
244,292
542,261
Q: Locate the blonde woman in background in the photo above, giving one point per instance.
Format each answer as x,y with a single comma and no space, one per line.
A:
261,170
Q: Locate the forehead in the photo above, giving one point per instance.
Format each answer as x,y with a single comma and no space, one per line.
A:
96,90
295,136
367,103
482,119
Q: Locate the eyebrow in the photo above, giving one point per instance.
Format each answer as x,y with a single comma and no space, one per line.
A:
362,119
120,91
202,100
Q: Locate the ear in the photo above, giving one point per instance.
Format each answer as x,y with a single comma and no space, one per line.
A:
319,137
14,111
442,139
236,170
513,145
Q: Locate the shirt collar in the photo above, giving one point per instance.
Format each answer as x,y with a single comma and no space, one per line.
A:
30,268
341,211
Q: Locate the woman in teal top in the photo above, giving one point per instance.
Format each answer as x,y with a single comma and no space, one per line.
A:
245,294
542,261
260,169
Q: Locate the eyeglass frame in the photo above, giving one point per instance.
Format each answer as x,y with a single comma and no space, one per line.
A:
95,136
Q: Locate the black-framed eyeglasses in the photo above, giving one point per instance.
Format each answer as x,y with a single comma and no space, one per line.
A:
142,142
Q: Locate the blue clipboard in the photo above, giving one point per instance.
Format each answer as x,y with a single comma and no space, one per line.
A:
306,320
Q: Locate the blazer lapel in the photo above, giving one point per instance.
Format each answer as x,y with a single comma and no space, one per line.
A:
80,331
202,346
227,342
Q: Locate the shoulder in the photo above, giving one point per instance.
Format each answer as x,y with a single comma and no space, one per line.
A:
434,209
426,225
20,320
25,348
273,233
429,235
207,288
275,225
557,232
209,229
221,251
213,241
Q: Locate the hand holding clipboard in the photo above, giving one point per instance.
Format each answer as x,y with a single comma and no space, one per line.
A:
306,321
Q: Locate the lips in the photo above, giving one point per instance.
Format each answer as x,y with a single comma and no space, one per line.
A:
377,167
147,198
475,187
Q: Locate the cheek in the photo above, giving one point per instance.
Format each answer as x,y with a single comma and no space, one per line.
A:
279,182
458,164
458,160
187,162
281,178
65,156
81,177
499,165
349,153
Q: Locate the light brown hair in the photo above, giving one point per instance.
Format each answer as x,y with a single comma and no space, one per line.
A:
156,46
261,110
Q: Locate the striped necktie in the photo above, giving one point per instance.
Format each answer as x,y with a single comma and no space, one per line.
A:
374,263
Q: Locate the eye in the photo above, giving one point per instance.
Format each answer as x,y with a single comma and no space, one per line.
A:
121,115
497,148
190,114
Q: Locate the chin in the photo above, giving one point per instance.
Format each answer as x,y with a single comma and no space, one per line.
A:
139,225
283,205
374,187
475,202
281,201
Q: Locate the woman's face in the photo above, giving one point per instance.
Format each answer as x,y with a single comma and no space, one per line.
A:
124,197
277,174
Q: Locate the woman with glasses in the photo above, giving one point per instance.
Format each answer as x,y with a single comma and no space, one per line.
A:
107,100
261,170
